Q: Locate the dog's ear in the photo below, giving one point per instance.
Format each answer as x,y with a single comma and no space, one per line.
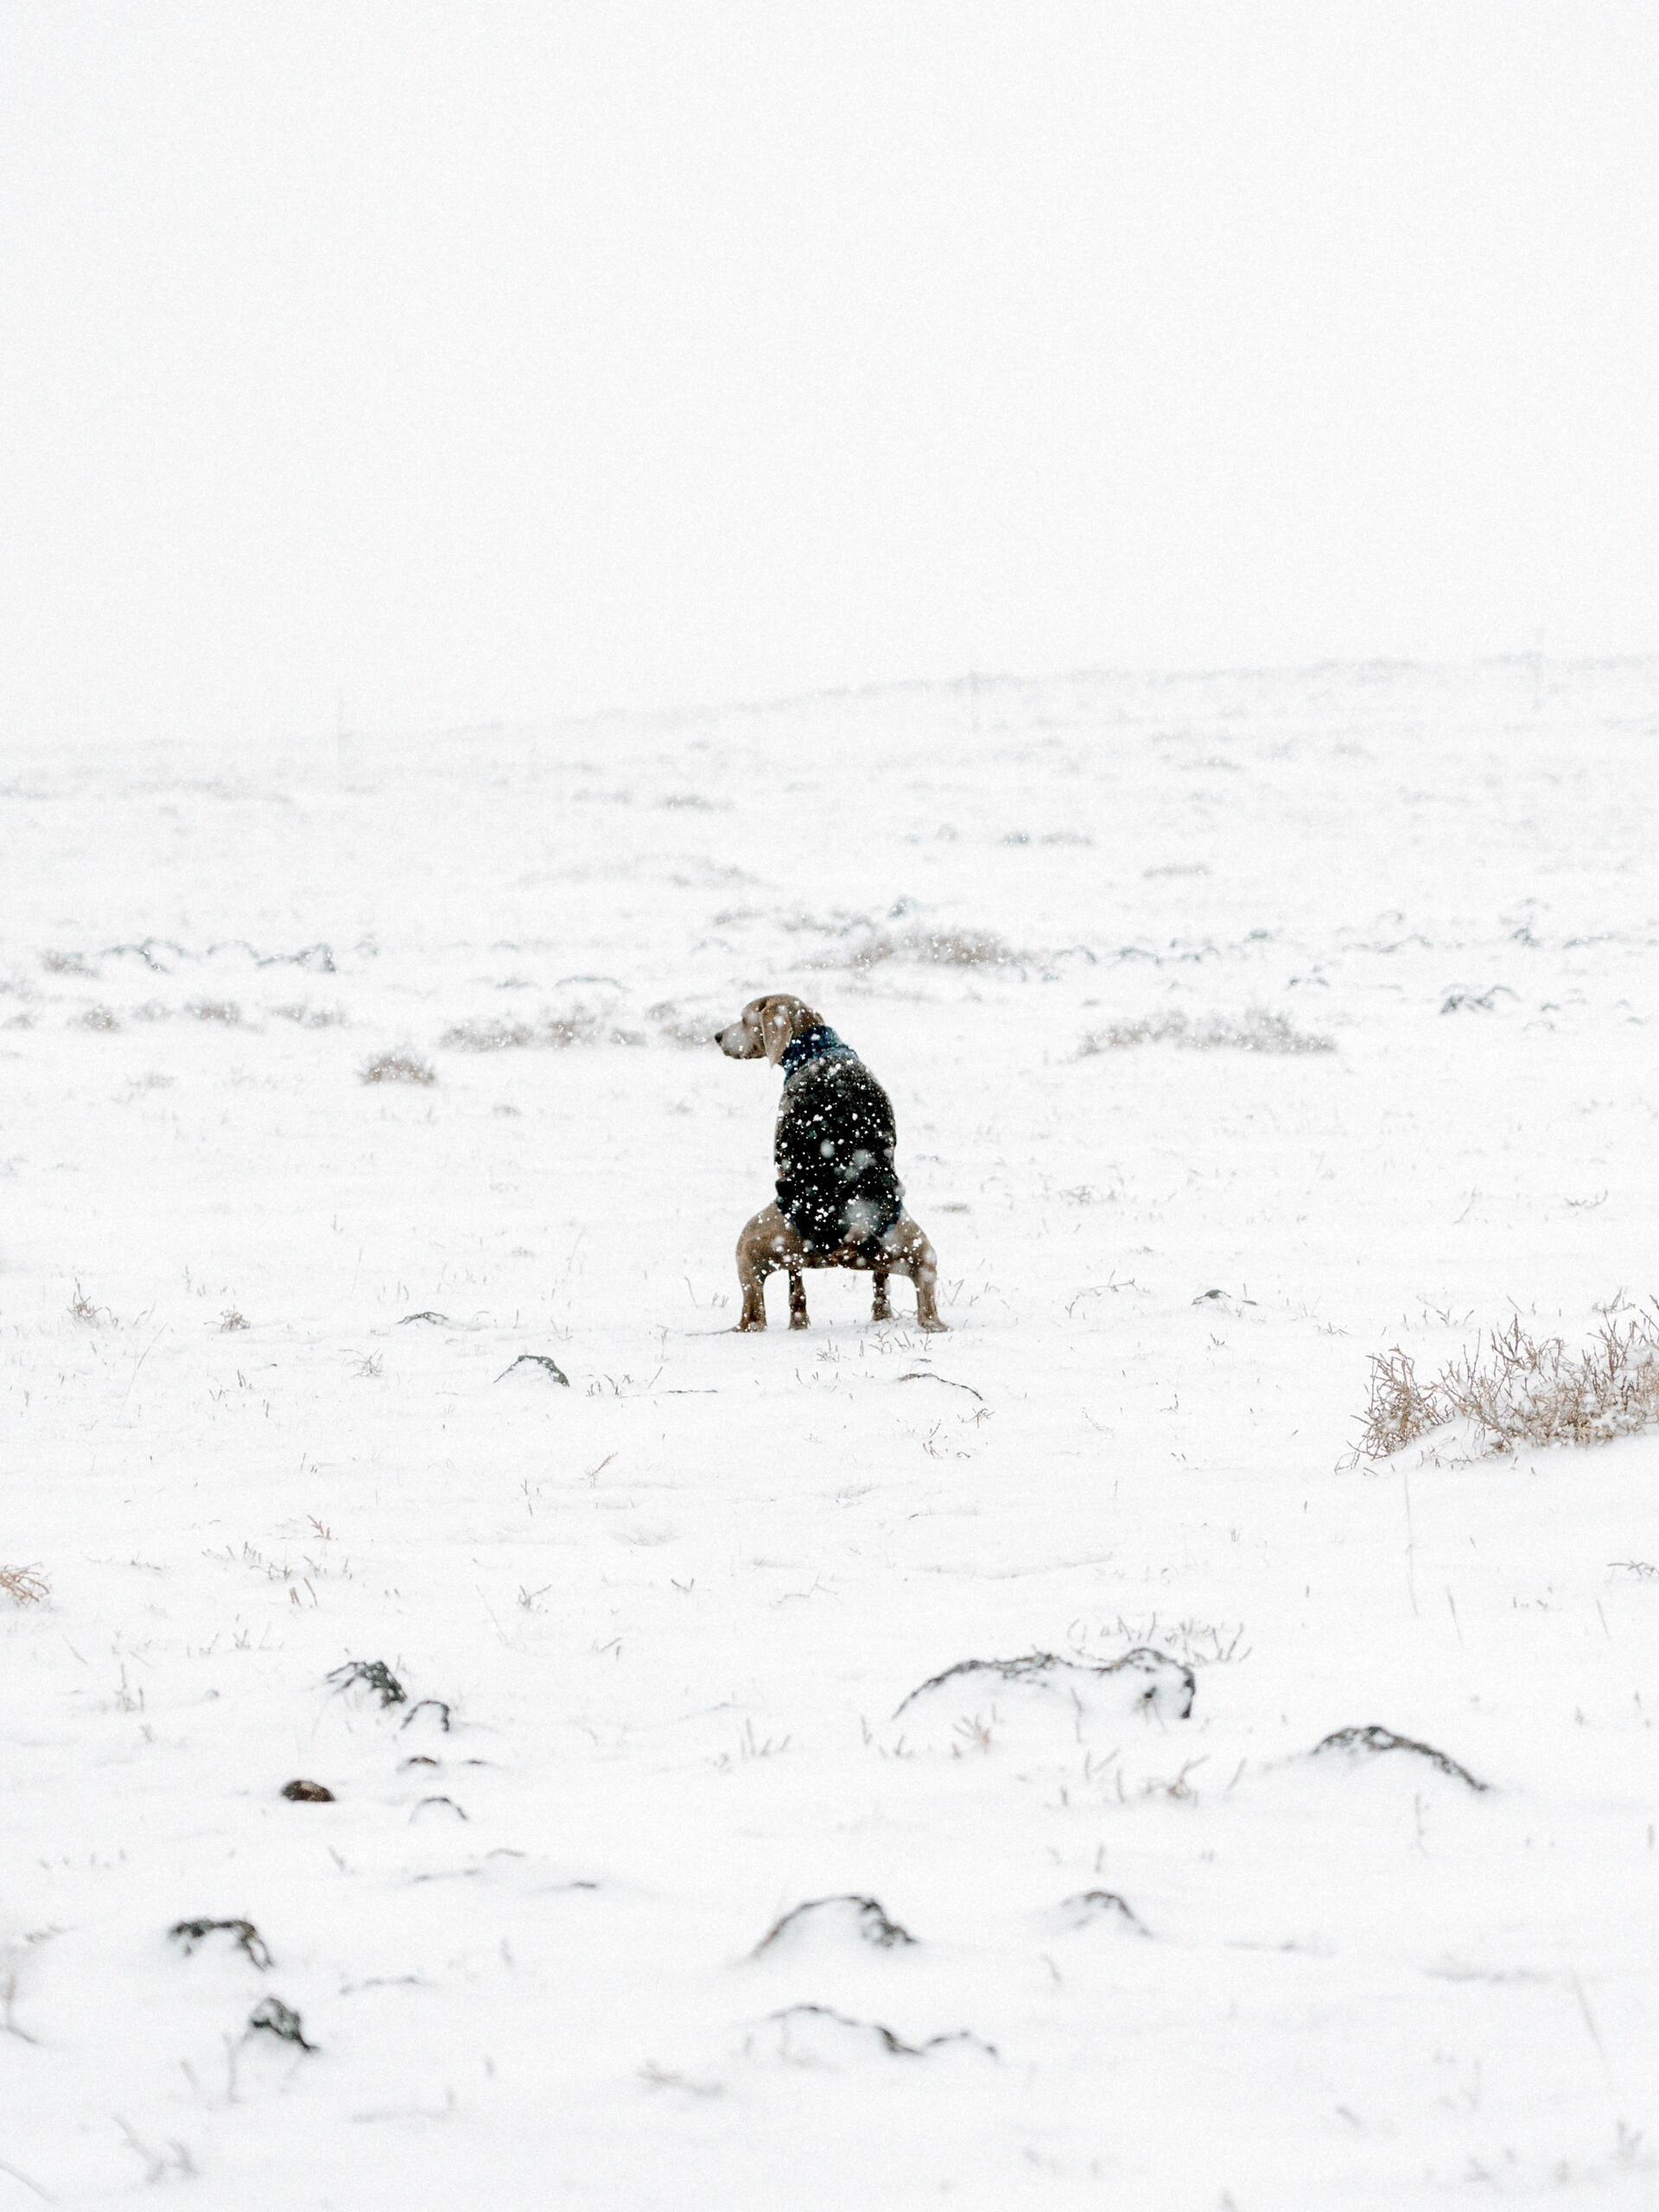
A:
777,1027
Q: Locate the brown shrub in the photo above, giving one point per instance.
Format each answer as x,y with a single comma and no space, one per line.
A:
1516,1389
24,1585
402,1067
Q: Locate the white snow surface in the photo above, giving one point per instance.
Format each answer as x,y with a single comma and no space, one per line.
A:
670,1610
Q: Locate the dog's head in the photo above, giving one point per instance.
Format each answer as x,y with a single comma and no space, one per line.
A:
767,1028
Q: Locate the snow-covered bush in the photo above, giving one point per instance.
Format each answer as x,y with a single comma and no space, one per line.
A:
1513,1390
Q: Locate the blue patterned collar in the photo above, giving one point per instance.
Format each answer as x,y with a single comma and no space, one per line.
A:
820,1043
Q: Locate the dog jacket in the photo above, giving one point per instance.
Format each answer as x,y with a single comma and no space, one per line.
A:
837,1186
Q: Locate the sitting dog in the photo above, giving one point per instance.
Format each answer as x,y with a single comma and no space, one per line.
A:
840,1203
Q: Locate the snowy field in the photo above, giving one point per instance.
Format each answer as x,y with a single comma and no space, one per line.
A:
258,1323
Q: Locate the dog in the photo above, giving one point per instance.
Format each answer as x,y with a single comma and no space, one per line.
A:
840,1203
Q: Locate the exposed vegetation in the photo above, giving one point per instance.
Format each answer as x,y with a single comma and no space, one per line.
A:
398,1067
1514,1389
933,948
1257,1031
24,1585
557,1031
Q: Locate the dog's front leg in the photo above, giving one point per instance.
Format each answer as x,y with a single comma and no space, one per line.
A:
767,1243
797,1298
754,1263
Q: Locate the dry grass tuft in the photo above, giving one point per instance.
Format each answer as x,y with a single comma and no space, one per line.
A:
1514,1389
223,1010
24,1585
67,964
102,1018
1257,1031
487,1036
676,1026
311,1017
932,948
554,1032
398,1067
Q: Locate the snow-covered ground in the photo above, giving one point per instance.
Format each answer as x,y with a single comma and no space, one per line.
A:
672,1611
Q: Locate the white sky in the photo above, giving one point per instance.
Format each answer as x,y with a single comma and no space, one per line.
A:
516,356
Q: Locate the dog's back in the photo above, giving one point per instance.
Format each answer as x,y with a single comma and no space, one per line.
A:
837,1186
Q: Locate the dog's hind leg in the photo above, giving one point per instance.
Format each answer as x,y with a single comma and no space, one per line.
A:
880,1309
924,1274
913,1255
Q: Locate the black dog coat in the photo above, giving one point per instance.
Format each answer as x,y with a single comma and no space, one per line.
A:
837,1187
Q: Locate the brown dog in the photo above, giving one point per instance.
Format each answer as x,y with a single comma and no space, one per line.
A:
840,1203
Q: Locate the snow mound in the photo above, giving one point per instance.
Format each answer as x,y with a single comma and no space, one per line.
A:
1099,1909
535,1369
834,1924
814,2035
426,1720
1359,1746
1040,1702
241,1935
